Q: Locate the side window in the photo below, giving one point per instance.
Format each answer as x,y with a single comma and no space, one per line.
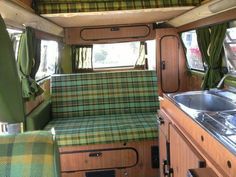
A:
15,37
48,59
230,47
193,54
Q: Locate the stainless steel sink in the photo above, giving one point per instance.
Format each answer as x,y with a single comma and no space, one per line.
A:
203,101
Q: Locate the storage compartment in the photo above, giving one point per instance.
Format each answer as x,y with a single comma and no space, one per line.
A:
98,159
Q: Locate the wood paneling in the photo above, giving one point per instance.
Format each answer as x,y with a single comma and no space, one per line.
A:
216,155
194,81
109,34
183,155
142,169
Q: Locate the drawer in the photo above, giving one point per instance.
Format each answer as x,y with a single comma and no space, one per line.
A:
98,159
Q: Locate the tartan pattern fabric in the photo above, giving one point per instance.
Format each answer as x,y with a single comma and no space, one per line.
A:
105,129
28,154
107,93
72,6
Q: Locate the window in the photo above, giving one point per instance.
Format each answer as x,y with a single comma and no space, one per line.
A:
15,37
48,59
193,53
115,55
230,48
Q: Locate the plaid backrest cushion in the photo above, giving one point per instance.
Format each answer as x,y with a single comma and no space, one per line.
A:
31,154
94,94
71,6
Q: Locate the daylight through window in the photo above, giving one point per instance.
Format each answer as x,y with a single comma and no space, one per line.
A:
48,59
193,53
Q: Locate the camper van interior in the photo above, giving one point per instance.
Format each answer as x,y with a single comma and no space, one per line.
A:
125,88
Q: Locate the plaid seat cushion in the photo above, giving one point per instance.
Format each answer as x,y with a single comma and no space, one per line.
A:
72,6
105,129
31,154
92,94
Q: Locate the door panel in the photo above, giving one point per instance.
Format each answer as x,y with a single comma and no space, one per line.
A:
183,155
169,51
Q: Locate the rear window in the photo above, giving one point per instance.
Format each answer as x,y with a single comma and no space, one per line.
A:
115,55
193,54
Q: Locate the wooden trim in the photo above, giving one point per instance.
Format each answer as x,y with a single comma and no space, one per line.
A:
126,33
216,19
47,36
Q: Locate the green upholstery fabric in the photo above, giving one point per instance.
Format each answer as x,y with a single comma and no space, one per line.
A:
39,117
92,94
105,129
70,6
11,102
31,154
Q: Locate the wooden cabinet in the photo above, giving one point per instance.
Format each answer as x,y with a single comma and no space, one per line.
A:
215,154
182,155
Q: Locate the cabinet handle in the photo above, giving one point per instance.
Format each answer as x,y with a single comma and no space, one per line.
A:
171,172
95,154
163,65
165,168
161,120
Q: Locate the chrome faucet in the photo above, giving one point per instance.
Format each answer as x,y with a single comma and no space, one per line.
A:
223,78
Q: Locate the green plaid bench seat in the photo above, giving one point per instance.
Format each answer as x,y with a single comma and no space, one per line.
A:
104,107
30,154
105,129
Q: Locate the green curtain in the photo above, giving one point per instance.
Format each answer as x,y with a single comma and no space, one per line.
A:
11,102
26,62
82,58
140,63
210,41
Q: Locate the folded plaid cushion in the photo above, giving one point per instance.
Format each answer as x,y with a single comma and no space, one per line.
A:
28,154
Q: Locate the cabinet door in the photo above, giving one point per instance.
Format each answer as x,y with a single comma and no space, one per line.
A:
169,50
164,157
183,156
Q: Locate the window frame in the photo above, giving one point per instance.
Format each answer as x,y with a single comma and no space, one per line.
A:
185,54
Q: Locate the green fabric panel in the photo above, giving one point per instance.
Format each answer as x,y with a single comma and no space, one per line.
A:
70,6
11,103
66,62
210,43
29,154
105,129
106,93
26,61
39,117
